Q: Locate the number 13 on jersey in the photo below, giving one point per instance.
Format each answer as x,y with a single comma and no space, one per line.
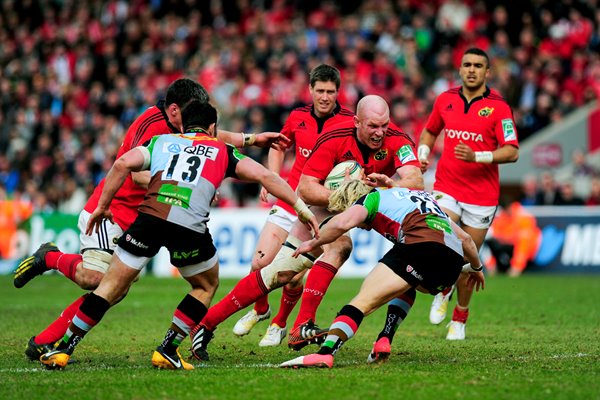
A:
183,167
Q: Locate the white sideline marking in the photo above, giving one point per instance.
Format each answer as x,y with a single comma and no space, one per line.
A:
101,367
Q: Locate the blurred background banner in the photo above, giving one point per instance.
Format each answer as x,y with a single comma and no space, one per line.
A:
570,241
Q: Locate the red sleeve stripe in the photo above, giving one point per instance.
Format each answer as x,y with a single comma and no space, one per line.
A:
303,109
336,133
497,97
396,132
139,133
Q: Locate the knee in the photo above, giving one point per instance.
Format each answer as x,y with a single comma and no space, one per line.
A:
341,249
209,286
284,277
259,261
89,279
296,281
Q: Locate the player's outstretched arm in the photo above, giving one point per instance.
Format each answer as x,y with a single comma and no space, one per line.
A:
274,162
334,228
249,170
265,139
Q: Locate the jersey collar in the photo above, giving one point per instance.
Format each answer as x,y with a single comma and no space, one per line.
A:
321,120
466,103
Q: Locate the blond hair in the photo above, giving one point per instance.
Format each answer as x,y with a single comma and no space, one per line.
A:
348,192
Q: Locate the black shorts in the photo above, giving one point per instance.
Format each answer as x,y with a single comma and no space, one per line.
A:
431,265
148,234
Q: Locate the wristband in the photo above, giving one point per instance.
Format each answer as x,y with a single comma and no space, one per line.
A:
249,139
485,157
423,152
467,268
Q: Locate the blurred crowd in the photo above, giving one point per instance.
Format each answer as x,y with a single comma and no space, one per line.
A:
577,185
74,75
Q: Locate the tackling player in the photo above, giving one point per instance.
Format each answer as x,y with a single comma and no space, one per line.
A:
378,148
428,254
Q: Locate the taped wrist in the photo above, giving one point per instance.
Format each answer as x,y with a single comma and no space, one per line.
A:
249,139
423,152
485,157
468,268
304,213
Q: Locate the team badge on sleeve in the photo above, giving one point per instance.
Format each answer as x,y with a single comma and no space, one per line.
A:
508,127
405,154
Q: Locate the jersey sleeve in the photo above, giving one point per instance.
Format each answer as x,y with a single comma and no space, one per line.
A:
505,129
407,152
435,123
370,201
147,156
234,156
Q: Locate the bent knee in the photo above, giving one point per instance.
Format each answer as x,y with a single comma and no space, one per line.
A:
285,277
340,249
89,279
259,261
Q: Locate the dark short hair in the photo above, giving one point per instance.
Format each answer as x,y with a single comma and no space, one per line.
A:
196,113
478,52
325,73
183,90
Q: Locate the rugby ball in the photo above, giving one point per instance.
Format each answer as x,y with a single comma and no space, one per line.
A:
338,174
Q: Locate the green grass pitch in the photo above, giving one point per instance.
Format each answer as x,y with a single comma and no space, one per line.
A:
534,337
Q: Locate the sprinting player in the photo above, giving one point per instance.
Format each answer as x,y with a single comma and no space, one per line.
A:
88,268
428,254
379,148
303,127
479,133
186,170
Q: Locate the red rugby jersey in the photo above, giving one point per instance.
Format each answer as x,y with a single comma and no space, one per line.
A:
341,144
303,128
127,199
485,124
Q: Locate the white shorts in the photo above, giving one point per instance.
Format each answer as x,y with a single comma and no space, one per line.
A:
479,217
282,218
97,248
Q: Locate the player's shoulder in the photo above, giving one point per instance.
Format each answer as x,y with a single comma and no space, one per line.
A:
452,92
394,132
340,132
301,111
150,123
345,112
495,96
151,114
